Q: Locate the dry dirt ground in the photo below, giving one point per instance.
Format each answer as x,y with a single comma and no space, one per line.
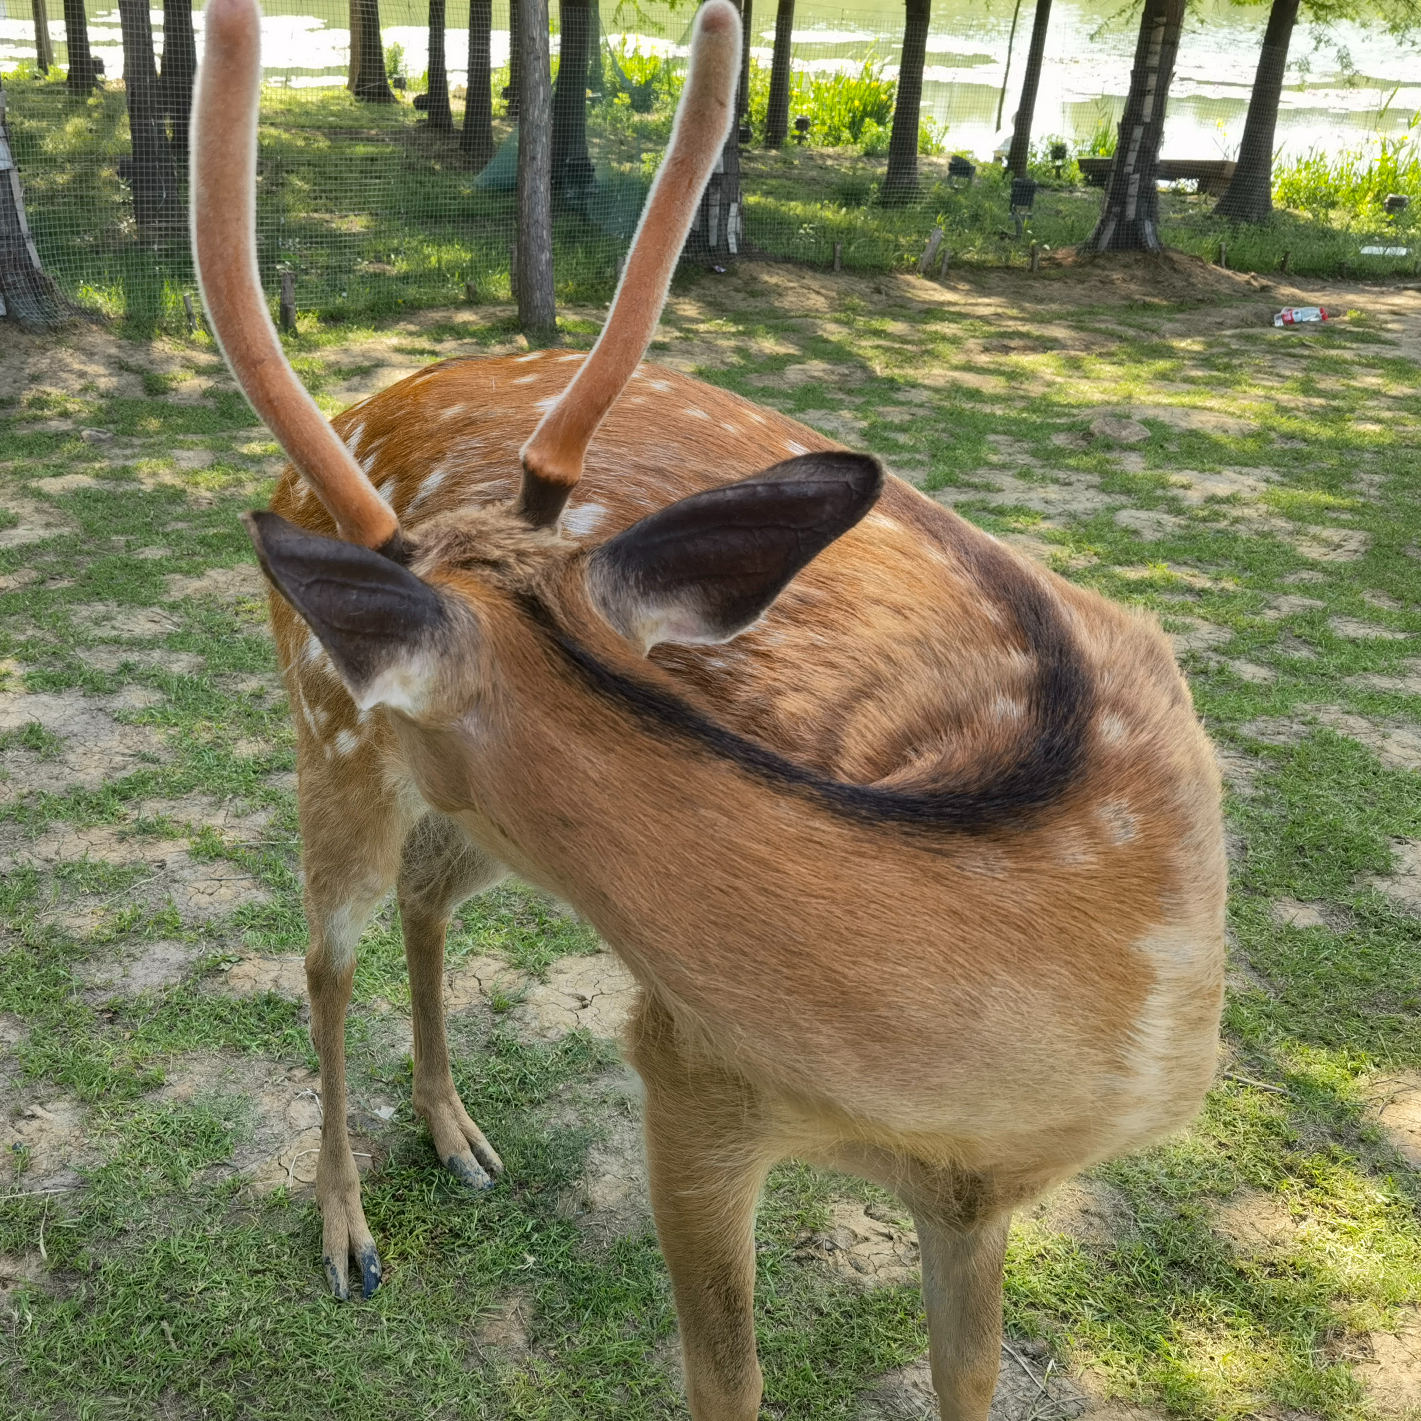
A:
1142,428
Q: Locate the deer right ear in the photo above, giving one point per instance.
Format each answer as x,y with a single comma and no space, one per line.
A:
382,627
706,568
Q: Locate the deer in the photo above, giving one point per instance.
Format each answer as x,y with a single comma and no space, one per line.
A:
913,847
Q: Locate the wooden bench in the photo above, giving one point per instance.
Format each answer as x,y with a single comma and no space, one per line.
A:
1211,174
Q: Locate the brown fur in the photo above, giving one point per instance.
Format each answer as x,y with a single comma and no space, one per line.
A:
966,1019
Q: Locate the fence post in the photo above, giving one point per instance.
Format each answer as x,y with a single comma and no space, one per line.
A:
838,256
288,301
190,313
930,251
537,308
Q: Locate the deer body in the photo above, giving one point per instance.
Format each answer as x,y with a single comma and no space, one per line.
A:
914,848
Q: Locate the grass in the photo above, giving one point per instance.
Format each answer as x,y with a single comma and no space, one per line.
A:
169,1286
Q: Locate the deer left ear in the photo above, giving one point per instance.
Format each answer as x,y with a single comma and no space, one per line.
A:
710,565
381,626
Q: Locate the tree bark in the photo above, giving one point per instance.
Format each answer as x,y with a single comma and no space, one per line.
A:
29,295
515,63
715,233
354,66
742,92
476,142
777,111
83,72
179,71
441,116
537,310
596,79
44,48
1250,192
1129,219
367,53
900,183
152,179
572,168
1020,152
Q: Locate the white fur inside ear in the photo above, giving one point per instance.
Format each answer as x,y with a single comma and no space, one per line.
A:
403,685
646,621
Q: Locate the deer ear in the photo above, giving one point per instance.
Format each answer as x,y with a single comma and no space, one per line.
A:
381,626
709,566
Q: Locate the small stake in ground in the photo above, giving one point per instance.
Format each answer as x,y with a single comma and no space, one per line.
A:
946,262
288,301
471,293
1223,256
513,270
838,256
1283,265
930,251
1035,256
191,314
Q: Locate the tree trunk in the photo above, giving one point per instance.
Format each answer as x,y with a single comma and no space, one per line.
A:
152,177
179,71
83,73
900,183
476,142
715,233
1250,192
367,53
44,48
441,117
1020,152
354,68
537,311
1129,219
596,80
28,295
515,62
777,112
572,168
742,92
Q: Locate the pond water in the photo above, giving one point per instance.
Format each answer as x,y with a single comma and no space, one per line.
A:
1345,87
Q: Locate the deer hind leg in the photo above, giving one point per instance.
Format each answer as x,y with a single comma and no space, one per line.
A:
351,835
707,1155
962,1293
439,868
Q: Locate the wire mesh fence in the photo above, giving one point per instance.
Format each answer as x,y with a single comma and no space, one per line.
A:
372,208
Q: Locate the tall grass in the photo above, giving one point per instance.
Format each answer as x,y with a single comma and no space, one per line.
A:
1352,185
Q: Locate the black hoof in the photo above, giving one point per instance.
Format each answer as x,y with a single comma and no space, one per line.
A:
340,1289
369,1272
469,1171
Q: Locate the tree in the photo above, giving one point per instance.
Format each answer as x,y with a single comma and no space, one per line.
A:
900,183
572,168
476,141
777,111
179,71
368,80
537,310
1020,151
596,82
742,91
83,68
28,295
44,48
515,63
441,117
151,175
1129,218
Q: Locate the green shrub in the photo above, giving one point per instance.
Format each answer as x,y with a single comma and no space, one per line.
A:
1352,184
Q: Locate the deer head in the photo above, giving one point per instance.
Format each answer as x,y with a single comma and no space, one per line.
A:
404,622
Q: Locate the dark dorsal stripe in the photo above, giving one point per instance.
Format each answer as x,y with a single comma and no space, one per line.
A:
1004,792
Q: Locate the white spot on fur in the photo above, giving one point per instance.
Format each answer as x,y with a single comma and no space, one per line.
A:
312,724
525,379
757,417
576,355
795,448
1113,730
524,359
347,742
387,488
1120,823
695,413
452,411
352,440
660,384
368,462
1007,708
314,650
431,482
730,428
546,404
583,518
300,492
